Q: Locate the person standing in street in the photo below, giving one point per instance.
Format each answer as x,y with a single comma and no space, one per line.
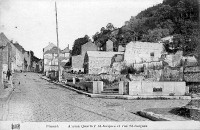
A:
8,74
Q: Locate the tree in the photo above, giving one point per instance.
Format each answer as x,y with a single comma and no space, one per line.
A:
76,49
155,35
110,26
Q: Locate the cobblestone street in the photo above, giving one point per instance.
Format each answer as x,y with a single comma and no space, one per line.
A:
35,99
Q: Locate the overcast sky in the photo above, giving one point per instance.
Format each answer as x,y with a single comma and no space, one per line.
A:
32,22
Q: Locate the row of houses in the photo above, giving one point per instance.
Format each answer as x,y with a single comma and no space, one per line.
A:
14,57
93,60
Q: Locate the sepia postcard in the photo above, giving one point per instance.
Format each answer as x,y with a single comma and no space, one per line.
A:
99,64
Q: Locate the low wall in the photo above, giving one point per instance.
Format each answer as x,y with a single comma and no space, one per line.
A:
157,88
95,87
87,86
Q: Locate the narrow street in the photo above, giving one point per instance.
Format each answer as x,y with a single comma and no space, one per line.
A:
37,100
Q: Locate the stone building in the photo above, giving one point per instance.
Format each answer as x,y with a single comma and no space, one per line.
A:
77,61
47,57
6,52
51,57
40,63
89,46
16,58
27,60
66,52
51,45
139,52
95,61
13,55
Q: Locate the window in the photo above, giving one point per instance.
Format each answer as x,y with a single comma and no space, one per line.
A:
152,54
157,89
55,54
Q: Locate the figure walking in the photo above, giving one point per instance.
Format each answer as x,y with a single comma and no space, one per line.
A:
8,74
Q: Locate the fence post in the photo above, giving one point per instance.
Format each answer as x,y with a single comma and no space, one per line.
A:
74,80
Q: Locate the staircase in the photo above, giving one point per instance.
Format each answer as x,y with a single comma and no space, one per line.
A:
110,91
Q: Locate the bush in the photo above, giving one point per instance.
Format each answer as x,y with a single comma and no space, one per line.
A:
171,94
106,81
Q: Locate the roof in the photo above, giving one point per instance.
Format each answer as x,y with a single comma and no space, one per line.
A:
53,50
50,46
104,54
89,43
66,50
19,47
3,40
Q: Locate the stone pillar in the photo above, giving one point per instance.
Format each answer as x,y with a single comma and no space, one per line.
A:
47,73
74,80
121,87
100,86
97,87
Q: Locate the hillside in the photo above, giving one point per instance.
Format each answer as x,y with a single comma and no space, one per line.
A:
172,17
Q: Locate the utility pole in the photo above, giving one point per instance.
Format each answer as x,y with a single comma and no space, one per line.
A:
199,12
59,72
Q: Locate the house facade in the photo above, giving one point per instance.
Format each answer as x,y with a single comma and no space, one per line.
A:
77,61
139,52
95,61
18,60
27,61
6,55
51,58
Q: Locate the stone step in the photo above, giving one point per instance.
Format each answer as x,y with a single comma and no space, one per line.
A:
111,90
106,92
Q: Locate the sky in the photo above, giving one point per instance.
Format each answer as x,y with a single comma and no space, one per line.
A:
32,23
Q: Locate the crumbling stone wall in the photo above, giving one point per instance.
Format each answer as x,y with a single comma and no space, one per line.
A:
139,52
